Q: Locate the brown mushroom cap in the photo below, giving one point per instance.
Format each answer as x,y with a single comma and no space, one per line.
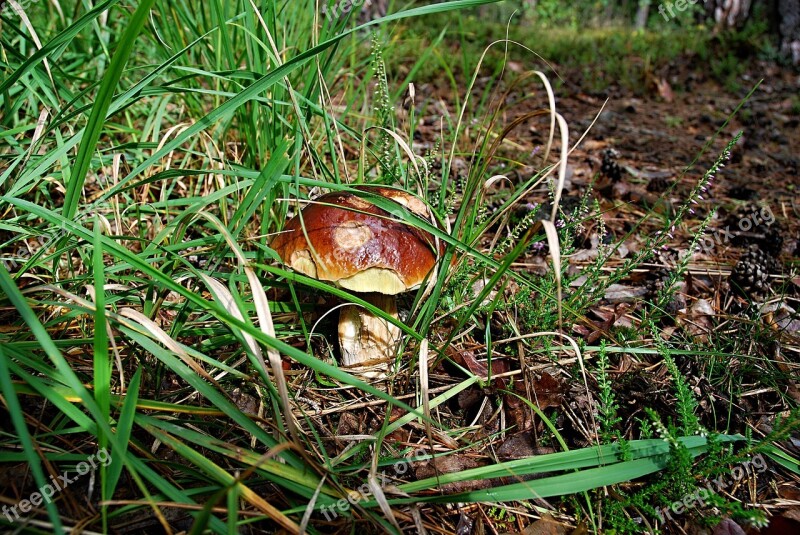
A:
357,245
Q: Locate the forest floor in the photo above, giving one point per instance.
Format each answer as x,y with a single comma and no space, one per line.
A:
665,138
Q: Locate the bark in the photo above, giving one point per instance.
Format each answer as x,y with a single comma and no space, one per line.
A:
789,28
729,13
373,9
641,14
784,17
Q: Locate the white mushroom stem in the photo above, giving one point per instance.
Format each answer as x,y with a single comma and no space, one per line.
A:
365,338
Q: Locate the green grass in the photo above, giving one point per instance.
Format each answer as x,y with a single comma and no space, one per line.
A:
631,59
148,157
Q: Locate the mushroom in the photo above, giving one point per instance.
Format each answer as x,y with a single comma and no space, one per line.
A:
362,248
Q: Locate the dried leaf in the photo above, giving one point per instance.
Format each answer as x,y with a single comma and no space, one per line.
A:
620,293
450,464
467,359
698,319
664,90
728,527
465,524
546,525
781,317
521,446
547,391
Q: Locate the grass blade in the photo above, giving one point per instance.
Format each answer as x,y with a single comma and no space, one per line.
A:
103,100
20,426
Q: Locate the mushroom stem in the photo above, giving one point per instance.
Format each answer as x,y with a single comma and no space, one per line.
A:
364,337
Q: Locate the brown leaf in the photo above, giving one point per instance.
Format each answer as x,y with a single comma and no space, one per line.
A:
698,320
465,523
467,359
594,336
664,90
787,492
792,514
781,317
606,316
450,464
787,522
547,391
520,446
620,293
469,398
581,330
609,315
546,525
728,527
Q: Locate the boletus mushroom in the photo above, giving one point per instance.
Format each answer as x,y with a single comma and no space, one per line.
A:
358,246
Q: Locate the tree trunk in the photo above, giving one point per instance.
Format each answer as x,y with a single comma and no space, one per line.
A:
373,9
789,28
728,13
641,14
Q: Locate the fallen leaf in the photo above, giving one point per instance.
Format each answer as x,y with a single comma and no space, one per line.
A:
781,317
728,527
448,465
620,293
466,358
547,391
465,523
521,446
664,90
697,320
546,525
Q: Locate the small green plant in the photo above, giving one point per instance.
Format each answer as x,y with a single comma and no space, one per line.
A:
795,110
384,117
502,518
608,418
686,404
672,121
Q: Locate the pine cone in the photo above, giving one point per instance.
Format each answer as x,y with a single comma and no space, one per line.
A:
750,276
610,168
743,193
656,279
659,184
